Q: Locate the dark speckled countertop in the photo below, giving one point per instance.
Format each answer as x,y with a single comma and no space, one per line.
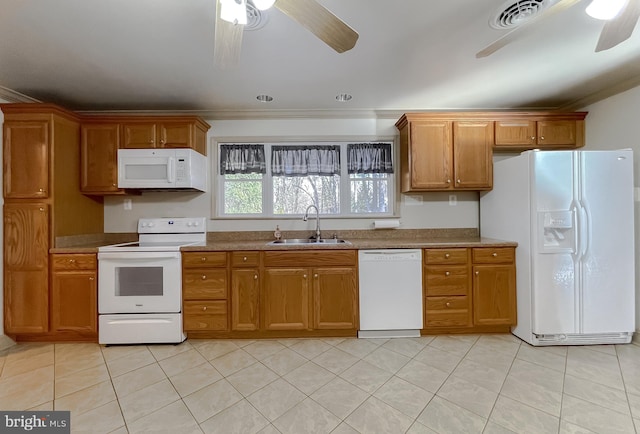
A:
357,239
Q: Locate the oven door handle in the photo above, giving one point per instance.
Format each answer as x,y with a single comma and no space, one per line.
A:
138,256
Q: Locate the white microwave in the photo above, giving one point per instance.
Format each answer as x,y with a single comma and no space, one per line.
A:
162,169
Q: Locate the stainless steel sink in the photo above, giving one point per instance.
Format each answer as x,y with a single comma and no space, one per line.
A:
298,241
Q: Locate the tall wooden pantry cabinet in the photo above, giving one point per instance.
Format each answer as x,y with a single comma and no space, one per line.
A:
42,201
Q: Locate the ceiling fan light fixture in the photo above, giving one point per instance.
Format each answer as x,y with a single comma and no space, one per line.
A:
605,9
234,11
263,5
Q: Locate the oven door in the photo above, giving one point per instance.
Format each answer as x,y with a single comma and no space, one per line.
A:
142,282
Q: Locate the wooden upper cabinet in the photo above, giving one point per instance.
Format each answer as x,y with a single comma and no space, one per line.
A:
558,133
165,133
540,131
140,136
99,153
26,159
515,132
472,157
439,153
429,154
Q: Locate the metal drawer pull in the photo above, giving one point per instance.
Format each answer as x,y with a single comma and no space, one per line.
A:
447,273
244,259
448,304
446,255
204,308
494,254
204,277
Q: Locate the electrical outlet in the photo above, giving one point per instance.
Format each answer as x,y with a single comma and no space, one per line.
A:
128,205
453,200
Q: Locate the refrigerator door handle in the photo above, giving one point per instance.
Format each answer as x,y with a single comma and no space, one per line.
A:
583,230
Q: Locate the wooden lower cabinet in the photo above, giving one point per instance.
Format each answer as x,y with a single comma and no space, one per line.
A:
245,296
335,302
26,268
285,299
74,294
290,293
494,286
245,291
205,291
469,289
205,315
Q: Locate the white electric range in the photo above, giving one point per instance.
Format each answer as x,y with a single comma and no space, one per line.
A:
140,283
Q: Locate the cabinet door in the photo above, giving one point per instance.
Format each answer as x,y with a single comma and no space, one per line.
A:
473,157
26,159
26,271
175,135
74,302
286,299
99,152
430,155
335,304
139,135
245,292
557,133
515,133
494,294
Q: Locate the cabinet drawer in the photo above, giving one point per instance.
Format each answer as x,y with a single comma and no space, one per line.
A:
326,258
74,262
245,259
447,311
498,255
211,315
445,256
205,284
200,259
446,280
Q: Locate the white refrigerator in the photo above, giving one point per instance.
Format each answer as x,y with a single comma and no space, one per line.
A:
571,213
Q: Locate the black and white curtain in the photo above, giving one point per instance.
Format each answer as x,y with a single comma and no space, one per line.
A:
239,158
305,160
369,158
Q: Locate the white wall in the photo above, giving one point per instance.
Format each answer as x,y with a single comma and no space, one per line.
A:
430,210
613,124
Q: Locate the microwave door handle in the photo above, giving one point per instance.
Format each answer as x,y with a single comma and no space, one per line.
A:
171,170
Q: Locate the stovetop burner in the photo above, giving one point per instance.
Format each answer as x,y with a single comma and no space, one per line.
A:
164,235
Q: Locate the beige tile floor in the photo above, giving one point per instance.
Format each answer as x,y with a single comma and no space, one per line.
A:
444,384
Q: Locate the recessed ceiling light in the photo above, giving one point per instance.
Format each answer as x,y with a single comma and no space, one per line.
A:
264,98
343,97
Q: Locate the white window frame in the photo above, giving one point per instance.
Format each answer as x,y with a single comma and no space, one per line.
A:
217,180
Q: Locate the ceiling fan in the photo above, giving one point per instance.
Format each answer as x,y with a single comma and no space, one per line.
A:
231,16
617,28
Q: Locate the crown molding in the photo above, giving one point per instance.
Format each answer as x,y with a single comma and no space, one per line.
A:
10,95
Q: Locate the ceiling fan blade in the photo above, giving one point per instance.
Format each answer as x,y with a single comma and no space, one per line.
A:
321,22
516,32
620,28
227,41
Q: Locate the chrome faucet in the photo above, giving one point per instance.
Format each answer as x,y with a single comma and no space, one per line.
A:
306,217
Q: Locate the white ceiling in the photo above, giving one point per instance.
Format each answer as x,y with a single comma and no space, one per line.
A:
411,55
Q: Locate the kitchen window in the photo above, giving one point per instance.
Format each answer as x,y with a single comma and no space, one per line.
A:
283,179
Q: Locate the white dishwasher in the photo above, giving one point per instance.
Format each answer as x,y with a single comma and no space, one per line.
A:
390,286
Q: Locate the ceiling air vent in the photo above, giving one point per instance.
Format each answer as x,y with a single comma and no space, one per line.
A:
513,13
